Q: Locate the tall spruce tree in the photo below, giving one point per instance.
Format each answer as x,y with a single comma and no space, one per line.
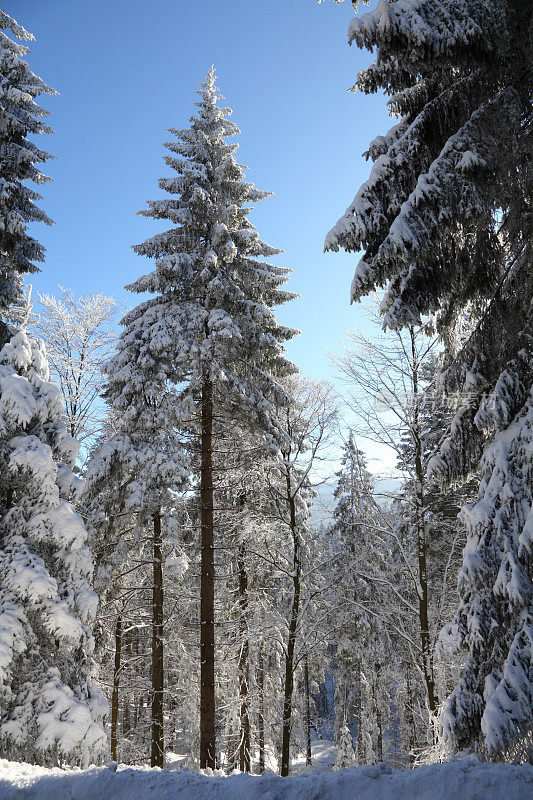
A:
132,482
213,322
446,225
350,534
20,158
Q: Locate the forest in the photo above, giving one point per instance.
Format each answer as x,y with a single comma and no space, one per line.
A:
200,569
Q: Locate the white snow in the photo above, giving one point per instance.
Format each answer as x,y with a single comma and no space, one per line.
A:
460,779
322,756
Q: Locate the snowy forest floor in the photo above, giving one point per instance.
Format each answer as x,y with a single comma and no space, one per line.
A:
460,779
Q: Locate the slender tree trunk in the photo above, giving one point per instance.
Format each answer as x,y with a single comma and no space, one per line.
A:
244,677
359,714
426,655
410,717
126,699
261,715
116,686
380,734
307,713
232,748
291,643
137,701
157,748
135,711
207,586
126,717
427,660
379,723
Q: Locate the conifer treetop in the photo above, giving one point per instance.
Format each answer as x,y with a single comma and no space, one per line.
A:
20,116
214,289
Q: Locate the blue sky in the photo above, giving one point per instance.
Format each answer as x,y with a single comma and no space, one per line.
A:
127,70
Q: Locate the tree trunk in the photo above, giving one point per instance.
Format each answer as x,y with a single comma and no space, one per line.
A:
359,714
126,717
116,686
157,749
307,713
409,714
207,586
232,748
426,656
135,710
380,734
379,723
126,699
291,643
244,678
261,715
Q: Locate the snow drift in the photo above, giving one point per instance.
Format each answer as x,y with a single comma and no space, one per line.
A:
465,778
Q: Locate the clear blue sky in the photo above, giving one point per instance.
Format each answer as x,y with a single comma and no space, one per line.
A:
127,70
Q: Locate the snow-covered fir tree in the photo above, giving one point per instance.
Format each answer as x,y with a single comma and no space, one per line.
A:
132,483
495,616
360,575
345,753
445,224
50,712
350,534
209,329
353,494
20,116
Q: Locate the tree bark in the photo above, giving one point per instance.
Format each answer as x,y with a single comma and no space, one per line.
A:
291,643
116,687
261,715
207,585
308,760
244,678
157,747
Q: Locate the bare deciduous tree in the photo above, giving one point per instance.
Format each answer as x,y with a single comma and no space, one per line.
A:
79,334
309,424
391,395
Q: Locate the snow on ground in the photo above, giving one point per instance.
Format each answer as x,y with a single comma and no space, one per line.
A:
322,755
461,779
